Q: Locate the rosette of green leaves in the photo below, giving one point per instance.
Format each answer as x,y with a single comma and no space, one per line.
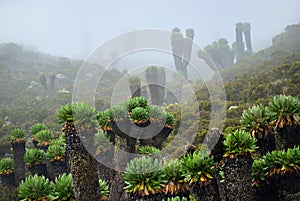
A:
34,156
35,188
139,114
238,143
56,151
137,102
6,166
44,136
17,135
198,167
104,118
285,110
104,188
119,112
174,174
63,187
34,129
143,176
256,120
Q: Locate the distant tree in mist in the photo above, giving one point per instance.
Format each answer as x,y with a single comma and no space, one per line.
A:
182,48
43,80
220,53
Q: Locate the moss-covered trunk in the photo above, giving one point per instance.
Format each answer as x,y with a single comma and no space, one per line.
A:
19,164
125,144
238,178
207,192
82,164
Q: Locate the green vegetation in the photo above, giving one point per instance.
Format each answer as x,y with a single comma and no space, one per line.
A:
101,140
44,137
197,168
137,102
139,115
104,118
34,156
134,80
239,143
17,135
35,188
6,166
143,176
177,198
37,128
257,121
104,188
174,174
63,187
276,163
55,152
286,111
149,150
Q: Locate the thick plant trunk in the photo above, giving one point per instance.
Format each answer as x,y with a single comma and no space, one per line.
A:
266,144
83,166
238,178
126,144
239,43
56,168
186,51
19,164
157,197
8,188
248,40
39,169
177,54
116,188
158,136
8,180
209,192
135,90
105,172
266,192
290,136
288,186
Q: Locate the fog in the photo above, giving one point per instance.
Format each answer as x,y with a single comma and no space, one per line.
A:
75,28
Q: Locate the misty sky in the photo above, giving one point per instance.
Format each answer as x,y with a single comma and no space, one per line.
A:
74,28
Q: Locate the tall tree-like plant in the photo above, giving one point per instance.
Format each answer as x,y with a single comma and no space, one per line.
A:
161,81
18,144
247,34
43,80
79,125
238,165
239,41
52,80
187,44
152,80
176,42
